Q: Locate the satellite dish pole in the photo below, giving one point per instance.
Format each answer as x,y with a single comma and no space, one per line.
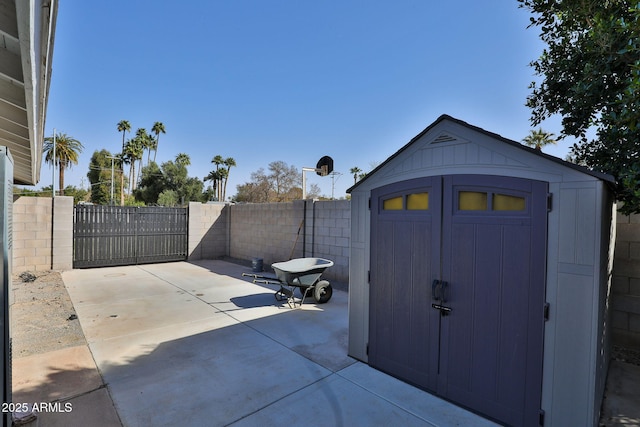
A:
323,168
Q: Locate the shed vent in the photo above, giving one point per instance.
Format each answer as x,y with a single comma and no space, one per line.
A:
443,138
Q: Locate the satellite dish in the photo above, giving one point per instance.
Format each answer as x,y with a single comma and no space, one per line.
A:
324,166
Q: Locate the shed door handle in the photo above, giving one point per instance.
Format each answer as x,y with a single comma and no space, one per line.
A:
435,289
439,290
443,291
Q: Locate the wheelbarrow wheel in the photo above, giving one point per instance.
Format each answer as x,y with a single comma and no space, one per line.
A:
322,292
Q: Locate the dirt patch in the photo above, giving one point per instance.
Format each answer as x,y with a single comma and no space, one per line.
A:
42,316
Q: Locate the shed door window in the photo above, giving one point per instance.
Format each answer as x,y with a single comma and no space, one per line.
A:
393,204
409,202
489,201
472,201
418,202
504,202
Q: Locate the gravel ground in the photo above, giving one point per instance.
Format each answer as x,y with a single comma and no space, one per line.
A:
626,355
42,316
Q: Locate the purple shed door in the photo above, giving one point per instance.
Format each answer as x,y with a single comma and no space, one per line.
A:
476,337
404,260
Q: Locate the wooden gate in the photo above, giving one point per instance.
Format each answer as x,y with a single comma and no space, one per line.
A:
123,235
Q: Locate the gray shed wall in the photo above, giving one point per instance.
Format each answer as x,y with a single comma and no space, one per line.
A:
578,277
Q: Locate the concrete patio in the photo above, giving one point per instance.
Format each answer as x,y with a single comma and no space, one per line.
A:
194,344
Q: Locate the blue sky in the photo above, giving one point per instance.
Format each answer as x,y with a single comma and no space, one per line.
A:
266,80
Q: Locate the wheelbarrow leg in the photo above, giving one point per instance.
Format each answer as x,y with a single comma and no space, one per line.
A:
307,291
284,293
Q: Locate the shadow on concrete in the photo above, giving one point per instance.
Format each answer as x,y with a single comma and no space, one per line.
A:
255,300
67,397
224,375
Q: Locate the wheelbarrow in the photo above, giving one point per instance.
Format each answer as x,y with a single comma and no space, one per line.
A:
301,273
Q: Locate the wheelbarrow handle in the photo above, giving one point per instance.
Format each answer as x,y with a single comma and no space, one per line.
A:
263,279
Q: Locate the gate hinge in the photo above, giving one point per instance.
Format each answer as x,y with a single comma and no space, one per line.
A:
549,201
368,276
541,417
546,311
367,349
369,203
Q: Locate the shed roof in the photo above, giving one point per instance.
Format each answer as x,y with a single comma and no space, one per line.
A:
445,117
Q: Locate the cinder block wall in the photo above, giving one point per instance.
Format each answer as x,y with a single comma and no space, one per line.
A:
42,237
266,230
208,230
328,235
625,300
270,231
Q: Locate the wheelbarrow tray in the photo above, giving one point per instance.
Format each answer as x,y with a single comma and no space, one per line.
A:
302,272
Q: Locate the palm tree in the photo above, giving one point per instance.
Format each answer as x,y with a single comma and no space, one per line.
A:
228,162
67,150
122,160
218,161
223,174
123,126
355,171
133,151
213,176
157,128
183,159
147,144
539,138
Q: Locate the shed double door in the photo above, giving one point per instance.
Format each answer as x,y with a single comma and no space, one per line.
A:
457,290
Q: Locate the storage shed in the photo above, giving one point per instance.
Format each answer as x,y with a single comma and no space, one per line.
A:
480,272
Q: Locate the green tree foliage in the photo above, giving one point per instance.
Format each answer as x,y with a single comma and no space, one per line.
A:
282,183
170,178
78,194
100,178
67,151
151,184
168,198
590,73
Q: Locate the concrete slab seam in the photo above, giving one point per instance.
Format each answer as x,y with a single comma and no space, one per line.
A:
104,386
84,393
281,398
386,400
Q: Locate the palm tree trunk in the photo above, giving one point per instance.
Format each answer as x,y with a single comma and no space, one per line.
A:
121,186
132,171
139,176
155,150
61,179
